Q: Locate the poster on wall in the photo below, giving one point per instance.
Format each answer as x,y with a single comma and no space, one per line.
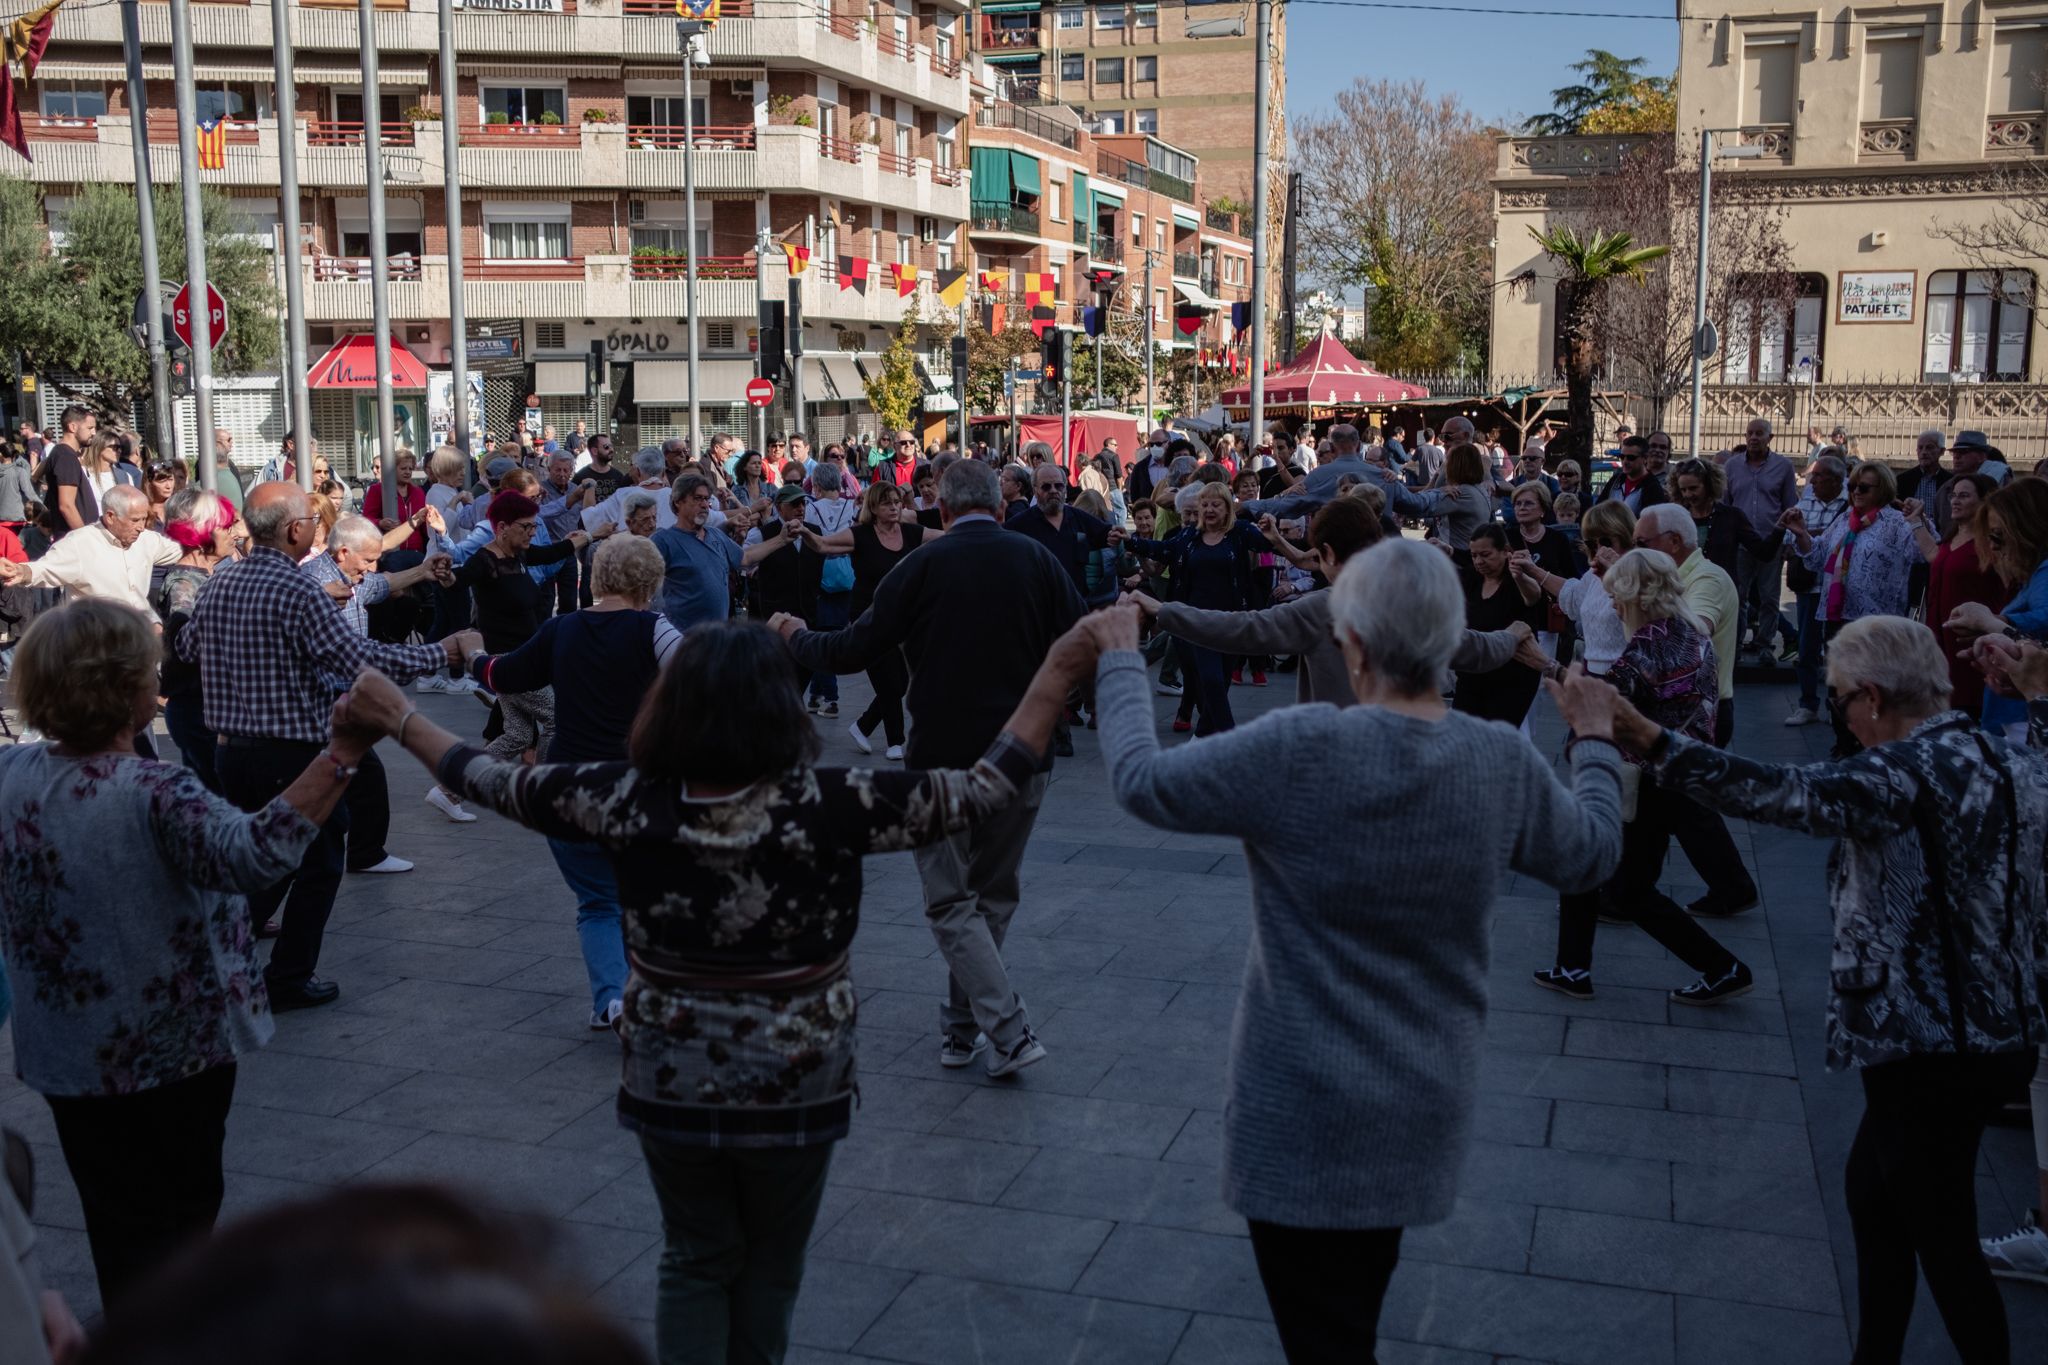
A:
1875,295
441,408
407,422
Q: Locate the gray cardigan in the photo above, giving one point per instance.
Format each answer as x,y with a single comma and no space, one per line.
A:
1354,1056
1301,625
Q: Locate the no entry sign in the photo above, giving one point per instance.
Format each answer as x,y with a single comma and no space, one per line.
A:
760,392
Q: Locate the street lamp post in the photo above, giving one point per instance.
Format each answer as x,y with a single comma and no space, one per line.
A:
1704,342
688,36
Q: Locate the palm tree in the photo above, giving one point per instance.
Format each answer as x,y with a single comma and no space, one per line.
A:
1589,265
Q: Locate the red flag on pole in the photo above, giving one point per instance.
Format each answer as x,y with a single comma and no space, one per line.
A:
11,131
28,37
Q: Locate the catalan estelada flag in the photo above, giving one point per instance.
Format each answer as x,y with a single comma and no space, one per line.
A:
703,11
853,273
799,258
952,287
906,277
213,144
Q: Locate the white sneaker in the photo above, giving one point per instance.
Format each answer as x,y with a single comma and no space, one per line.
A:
1027,1051
614,1011
894,751
449,806
860,741
1801,716
388,865
955,1054
2021,1254
435,682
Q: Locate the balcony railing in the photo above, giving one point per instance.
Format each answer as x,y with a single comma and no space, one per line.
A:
887,41
839,149
947,175
363,269
1003,114
713,137
322,132
1774,138
990,217
946,65
896,165
674,265
1187,264
1113,167
1220,219
2013,135
1106,246
44,129
843,25
164,128
996,38
507,268
1593,154
528,134
1886,139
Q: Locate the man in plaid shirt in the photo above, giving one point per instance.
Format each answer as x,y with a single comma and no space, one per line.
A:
265,637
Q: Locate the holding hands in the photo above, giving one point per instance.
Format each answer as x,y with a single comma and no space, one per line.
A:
1595,710
785,625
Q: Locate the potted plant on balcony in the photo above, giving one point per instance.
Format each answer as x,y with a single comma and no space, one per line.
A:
805,119
600,116
549,119
419,113
658,263
496,119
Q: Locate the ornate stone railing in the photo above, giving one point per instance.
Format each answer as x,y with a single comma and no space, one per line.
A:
1588,155
1890,139
2013,135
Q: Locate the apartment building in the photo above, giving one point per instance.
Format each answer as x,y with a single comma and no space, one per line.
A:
1131,68
1876,131
827,124
1108,217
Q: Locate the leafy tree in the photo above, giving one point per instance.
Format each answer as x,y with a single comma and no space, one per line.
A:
989,356
1590,265
71,307
1647,108
1605,79
893,389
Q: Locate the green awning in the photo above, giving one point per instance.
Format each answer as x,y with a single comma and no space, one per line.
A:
1083,209
1103,196
991,168
1012,7
1016,57
1024,173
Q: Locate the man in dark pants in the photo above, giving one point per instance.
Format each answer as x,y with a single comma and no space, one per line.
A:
972,656
1072,536
265,635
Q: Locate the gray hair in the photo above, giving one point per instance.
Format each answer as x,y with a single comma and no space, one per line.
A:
637,500
1901,658
970,486
1936,432
1344,438
1181,467
1646,586
1767,425
649,462
826,478
356,533
626,566
1185,498
125,500
1828,461
1669,519
267,522
685,485
1019,473
1401,601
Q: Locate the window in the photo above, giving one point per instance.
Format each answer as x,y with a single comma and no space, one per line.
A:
73,99
1144,68
242,101
1159,235
1053,194
720,336
1073,66
942,37
1058,283
1768,343
903,141
1158,305
1146,16
1770,72
1109,16
2017,70
1109,71
902,250
527,232
1110,121
1144,120
942,256
1978,324
526,104
1891,74
1137,229
664,111
1072,18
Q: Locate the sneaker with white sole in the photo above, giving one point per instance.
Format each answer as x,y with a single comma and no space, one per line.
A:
608,1017
435,682
860,741
1731,983
388,865
2021,1254
954,1053
449,806
1577,984
1801,715
894,751
1168,689
1027,1051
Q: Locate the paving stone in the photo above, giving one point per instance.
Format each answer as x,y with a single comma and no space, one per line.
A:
1178,1269
441,1002
1681,1046
627,1202
308,1147
518,1112
1490,1311
1116,1127
1180,1082
1715,1332
1200,1141
907,1102
1008,1246
1572,1078
509,1175
440,962
1562,1179
1479,1232
1212,1339
1642,1253
1522,1031
1786,1202
1704,1139
311,1085
1737,1094
940,1320
1126,1189
976,1172
457,1050
841,1299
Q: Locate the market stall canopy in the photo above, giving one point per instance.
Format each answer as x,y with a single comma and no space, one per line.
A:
1323,378
351,363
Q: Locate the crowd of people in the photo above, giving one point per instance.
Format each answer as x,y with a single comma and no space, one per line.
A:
659,639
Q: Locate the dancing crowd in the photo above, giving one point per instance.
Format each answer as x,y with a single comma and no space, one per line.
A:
659,643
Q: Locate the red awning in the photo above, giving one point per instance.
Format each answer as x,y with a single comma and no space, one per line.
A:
352,364
1324,376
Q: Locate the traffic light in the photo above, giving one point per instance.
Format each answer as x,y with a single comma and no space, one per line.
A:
1053,355
771,339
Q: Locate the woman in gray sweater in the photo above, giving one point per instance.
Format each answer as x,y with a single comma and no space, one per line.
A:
1355,1052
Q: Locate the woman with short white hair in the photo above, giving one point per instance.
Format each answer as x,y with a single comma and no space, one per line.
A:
1355,1052
1940,946
1668,669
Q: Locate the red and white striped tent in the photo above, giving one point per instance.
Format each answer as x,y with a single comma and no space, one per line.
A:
1323,380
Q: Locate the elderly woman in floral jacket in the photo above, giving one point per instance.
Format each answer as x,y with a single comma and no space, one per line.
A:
1940,946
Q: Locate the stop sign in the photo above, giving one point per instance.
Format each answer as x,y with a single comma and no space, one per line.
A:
760,392
216,314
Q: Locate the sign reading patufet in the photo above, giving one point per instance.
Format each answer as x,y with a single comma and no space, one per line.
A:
1875,295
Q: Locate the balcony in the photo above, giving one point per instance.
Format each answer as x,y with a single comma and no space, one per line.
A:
342,133
2013,135
1012,219
1187,265
1030,122
674,265
895,164
666,9
1774,138
1221,220
1110,166
1889,139
839,149
712,137
536,136
38,128
948,175
1000,38
361,269
1573,156
1106,247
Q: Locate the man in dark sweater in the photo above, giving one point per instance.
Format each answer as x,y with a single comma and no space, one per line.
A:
972,655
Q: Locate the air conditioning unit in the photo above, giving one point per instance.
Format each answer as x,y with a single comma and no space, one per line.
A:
927,228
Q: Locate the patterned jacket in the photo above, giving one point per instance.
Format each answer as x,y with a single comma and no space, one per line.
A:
1940,934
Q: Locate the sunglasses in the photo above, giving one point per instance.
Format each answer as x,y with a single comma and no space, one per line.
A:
1865,487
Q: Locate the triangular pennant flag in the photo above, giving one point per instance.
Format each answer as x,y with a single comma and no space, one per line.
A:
213,144
1041,319
798,257
995,281
1240,316
1188,318
27,37
906,277
952,286
853,273
11,131
1094,321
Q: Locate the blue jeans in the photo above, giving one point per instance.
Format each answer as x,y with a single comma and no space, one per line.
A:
830,613
196,744
1808,670
588,873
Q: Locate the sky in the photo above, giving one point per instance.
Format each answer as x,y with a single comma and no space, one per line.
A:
1502,67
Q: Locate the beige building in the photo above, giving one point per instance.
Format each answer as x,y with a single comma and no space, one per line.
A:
1878,126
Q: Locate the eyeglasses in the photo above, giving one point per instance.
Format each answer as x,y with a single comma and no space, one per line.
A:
1050,487
1866,486
1842,699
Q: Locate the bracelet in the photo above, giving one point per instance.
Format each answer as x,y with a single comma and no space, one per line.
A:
342,771
399,733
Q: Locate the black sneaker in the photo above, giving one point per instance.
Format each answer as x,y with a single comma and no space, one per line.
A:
1735,981
1062,746
1708,907
1578,985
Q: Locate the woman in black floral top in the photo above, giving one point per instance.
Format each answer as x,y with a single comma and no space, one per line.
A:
739,872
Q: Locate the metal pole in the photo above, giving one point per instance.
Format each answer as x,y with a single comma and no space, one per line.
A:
195,243
1699,297
960,378
795,321
686,34
1067,408
1151,406
380,283
145,223
1261,116
298,401
1290,318
451,201
1104,321
761,344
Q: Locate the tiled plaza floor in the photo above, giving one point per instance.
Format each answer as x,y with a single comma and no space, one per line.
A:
1652,1183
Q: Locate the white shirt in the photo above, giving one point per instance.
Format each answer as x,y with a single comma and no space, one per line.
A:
1585,600
613,509
91,563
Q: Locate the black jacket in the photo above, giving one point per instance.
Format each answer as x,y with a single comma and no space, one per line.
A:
975,613
1653,490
